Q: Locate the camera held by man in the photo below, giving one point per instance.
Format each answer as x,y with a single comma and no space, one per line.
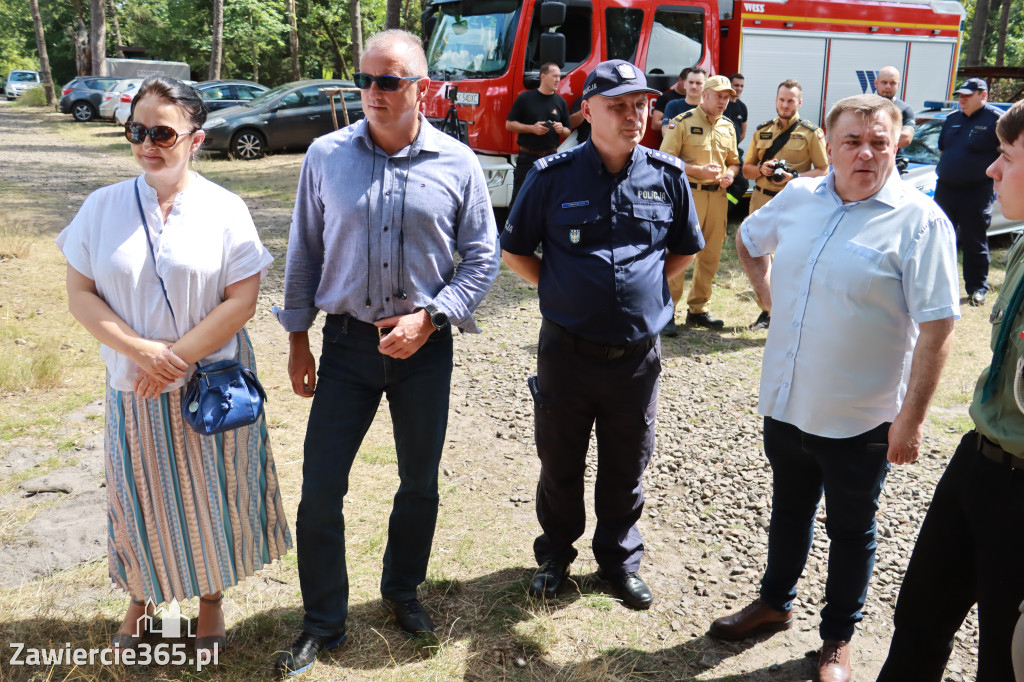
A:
779,170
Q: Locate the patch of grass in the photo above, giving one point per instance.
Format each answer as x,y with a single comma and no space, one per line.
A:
537,635
32,418
378,453
35,97
599,602
14,242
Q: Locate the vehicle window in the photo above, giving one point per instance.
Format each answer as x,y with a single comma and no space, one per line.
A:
216,92
677,39
247,92
623,27
925,147
576,30
24,77
306,97
471,40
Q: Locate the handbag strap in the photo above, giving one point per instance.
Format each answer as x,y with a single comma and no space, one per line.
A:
149,241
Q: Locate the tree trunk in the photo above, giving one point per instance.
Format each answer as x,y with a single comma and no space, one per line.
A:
293,40
98,36
978,29
355,18
216,41
1004,25
406,20
339,57
255,55
80,39
394,15
44,60
112,11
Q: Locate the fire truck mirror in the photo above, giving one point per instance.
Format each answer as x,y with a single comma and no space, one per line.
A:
552,13
552,46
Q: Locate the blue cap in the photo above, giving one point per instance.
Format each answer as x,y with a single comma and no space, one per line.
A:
616,77
971,86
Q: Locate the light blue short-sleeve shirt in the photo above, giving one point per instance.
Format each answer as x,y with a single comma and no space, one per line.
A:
850,283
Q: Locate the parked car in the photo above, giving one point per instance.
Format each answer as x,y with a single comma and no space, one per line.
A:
942,108
112,97
20,80
124,102
923,154
223,94
81,96
288,117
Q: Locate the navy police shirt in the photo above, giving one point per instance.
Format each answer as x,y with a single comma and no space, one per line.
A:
604,237
969,145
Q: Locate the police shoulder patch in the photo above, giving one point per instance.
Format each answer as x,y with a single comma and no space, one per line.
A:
665,158
552,160
765,124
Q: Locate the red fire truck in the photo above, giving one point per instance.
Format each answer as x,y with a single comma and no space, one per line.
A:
483,53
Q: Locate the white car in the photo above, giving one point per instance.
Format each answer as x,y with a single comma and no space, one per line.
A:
112,97
923,154
20,80
124,102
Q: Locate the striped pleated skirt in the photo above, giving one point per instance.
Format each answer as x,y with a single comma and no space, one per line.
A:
188,514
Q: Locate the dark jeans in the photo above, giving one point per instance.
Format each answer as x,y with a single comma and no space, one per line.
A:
524,163
970,211
850,472
969,551
352,378
620,396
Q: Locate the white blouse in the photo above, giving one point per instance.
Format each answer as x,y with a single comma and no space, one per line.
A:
207,243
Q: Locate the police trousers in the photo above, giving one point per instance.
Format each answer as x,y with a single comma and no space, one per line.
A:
970,211
578,391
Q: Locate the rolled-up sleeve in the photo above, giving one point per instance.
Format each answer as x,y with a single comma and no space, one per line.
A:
305,260
477,246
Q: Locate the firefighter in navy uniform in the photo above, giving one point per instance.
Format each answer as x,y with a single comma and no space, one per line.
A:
614,220
789,138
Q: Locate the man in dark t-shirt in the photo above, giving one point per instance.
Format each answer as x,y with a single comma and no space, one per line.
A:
736,112
887,84
540,118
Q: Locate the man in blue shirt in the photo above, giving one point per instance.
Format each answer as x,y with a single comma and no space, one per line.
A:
969,144
614,219
381,207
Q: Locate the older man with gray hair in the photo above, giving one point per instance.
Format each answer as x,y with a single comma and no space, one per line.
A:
864,294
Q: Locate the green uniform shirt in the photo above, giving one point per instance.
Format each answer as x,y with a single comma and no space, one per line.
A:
999,419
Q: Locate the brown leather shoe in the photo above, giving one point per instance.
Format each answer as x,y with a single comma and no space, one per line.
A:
834,662
755,619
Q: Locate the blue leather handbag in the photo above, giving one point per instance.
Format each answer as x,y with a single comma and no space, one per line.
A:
222,396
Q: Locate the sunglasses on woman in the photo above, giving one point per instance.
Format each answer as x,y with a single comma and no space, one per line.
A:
162,136
363,81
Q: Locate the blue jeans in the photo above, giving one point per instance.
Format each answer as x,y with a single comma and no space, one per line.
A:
352,378
850,472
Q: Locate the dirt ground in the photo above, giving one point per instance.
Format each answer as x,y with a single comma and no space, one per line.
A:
708,487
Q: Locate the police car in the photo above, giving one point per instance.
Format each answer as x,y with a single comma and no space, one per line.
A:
923,154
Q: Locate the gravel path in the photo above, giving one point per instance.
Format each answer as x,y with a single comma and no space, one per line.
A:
708,486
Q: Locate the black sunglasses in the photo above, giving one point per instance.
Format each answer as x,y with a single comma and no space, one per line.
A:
363,81
162,136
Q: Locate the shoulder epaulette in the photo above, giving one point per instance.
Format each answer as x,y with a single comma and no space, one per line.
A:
551,160
684,115
729,120
765,124
665,158
807,124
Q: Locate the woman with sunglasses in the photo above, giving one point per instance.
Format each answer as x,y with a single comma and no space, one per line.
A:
188,514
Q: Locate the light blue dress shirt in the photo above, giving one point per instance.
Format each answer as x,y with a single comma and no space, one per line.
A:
850,283
354,208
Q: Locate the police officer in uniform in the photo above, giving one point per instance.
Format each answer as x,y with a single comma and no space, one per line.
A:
706,141
968,145
614,220
789,138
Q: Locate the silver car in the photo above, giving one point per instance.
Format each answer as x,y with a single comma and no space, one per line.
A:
20,80
111,98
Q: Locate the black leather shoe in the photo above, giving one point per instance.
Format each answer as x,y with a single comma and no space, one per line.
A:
303,652
412,619
670,330
977,298
630,587
762,322
703,320
548,579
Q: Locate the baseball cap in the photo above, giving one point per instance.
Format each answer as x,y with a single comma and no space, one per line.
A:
615,77
971,86
719,84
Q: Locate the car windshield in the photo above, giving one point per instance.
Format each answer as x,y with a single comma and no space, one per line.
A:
268,95
472,39
925,147
24,77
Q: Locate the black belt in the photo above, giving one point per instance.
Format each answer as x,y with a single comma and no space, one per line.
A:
537,152
768,192
595,350
706,188
997,454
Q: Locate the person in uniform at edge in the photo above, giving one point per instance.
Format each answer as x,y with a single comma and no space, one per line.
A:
694,82
970,550
680,90
968,145
737,113
540,119
614,219
865,284
381,207
789,138
887,84
706,142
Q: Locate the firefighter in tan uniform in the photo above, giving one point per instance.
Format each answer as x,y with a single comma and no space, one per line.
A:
706,141
787,137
